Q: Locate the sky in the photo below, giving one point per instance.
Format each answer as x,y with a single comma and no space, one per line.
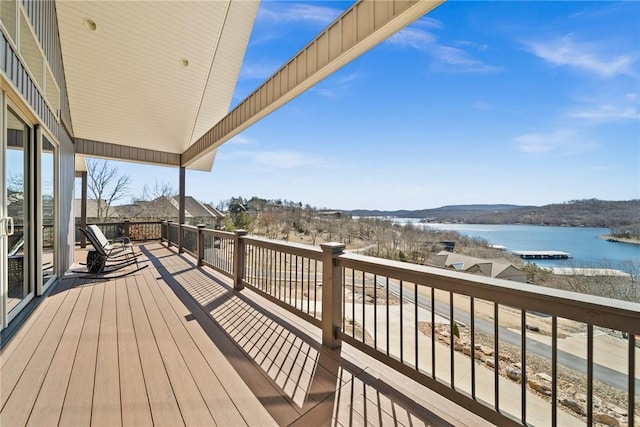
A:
515,102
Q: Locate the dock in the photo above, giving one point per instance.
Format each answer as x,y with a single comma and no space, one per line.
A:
542,254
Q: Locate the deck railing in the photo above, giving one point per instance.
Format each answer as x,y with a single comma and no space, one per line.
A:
217,250
492,346
288,273
138,231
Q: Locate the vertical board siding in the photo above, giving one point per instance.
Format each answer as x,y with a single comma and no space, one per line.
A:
44,20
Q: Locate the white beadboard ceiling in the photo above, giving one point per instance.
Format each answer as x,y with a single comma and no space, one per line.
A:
127,82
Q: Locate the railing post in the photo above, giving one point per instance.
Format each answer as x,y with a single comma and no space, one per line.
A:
238,259
169,233
200,245
332,304
180,248
125,228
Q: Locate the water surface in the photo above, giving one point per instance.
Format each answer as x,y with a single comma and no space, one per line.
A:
583,243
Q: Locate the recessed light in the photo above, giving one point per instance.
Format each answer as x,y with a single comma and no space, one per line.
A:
184,63
90,24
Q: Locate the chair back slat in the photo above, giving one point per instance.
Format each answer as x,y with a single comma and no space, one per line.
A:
99,236
94,241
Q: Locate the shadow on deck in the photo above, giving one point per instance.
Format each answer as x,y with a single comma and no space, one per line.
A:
280,358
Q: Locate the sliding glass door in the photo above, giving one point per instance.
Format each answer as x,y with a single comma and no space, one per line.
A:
18,289
47,185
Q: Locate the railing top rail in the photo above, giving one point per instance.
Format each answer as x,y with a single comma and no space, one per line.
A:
600,311
190,227
219,233
309,251
120,222
142,222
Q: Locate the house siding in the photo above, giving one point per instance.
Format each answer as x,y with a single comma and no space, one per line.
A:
43,19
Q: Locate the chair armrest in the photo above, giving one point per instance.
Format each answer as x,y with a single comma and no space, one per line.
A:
122,240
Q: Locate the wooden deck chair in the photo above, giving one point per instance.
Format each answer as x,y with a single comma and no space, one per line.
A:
98,259
16,246
115,249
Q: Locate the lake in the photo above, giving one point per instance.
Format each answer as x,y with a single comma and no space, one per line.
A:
583,243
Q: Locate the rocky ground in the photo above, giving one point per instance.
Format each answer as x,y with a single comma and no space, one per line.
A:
609,402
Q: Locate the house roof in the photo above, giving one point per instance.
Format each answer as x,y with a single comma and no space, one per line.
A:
92,209
152,74
491,268
166,207
199,210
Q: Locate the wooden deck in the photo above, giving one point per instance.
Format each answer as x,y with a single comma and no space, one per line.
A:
174,344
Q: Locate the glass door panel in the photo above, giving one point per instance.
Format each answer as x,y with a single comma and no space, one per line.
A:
48,194
16,181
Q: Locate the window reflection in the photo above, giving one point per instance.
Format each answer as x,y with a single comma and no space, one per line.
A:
47,185
18,134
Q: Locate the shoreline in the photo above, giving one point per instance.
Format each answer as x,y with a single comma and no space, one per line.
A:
610,238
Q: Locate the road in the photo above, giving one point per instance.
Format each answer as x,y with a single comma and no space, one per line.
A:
571,361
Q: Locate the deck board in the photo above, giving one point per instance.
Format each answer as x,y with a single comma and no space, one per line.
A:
192,406
76,410
134,398
48,405
162,400
28,337
213,392
106,391
18,404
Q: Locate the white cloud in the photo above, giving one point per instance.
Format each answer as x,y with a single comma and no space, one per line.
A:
276,160
414,38
428,22
481,105
457,60
564,142
277,12
446,58
590,57
241,140
332,87
607,113
259,70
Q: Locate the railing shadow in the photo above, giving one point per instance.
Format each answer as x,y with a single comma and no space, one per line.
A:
296,379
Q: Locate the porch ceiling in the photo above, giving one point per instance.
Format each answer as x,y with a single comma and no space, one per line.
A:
151,74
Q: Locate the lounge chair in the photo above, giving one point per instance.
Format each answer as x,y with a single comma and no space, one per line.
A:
120,247
102,260
15,246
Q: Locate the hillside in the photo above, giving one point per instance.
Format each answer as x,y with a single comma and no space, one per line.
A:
589,213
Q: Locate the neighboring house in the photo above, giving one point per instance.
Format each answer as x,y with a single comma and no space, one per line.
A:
92,208
236,208
330,214
168,208
15,204
499,269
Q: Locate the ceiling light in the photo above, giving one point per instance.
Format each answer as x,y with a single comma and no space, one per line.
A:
90,24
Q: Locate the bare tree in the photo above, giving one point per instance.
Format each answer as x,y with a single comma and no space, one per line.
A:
155,201
15,183
105,185
159,189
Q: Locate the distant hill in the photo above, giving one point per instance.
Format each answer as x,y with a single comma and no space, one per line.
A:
589,213
444,211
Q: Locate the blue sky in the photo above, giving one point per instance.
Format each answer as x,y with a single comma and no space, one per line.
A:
477,102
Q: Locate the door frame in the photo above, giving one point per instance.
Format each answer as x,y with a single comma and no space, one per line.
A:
29,186
40,133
